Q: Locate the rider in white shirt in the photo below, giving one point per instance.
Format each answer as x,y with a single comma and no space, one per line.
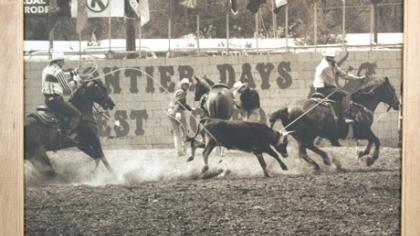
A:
326,75
55,84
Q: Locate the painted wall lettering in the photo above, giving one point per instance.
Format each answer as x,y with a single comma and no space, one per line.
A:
133,75
284,80
226,74
265,70
247,75
112,80
149,78
165,78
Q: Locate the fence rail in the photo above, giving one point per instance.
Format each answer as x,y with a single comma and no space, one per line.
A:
311,40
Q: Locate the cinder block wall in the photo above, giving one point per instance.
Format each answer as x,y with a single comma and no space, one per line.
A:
142,98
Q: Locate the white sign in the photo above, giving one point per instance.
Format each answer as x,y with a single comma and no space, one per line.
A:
100,8
36,7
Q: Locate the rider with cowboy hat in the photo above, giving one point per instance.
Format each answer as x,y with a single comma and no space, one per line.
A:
176,114
325,81
249,101
55,84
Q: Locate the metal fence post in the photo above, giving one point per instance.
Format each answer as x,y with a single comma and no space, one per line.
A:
140,36
198,35
286,29
315,25
227,32
344,25
109,30
169,36
371,26
257,29
274,18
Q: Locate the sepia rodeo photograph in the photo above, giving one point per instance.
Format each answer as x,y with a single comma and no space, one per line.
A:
212,117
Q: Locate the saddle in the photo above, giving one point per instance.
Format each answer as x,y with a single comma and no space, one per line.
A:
320,98
220,85
45,116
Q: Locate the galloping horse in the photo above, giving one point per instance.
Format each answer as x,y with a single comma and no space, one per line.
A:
42,129
319,122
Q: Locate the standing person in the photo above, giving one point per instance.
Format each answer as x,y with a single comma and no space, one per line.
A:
176,114
249,101
55,84
325,82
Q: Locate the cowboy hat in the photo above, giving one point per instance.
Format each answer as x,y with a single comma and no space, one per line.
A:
238,85
185,81
58,56
329,52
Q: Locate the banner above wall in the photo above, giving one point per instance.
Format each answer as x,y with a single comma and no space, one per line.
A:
100,8
95,8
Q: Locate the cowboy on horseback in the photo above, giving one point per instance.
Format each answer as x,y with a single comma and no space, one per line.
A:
55,84
249,101
326,84
177,116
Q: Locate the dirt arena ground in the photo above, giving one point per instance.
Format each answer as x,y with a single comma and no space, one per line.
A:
155,193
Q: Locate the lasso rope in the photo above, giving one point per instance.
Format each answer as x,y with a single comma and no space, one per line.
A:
310,109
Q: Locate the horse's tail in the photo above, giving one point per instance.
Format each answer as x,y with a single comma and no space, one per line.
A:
282,114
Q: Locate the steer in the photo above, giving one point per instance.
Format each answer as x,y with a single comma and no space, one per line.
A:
249,137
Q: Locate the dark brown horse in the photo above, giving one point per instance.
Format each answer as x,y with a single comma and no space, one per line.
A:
41,136
216,100
318,120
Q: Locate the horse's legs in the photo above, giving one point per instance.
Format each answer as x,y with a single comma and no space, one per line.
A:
262,163
304,156
367,149
272,153
320,153
206,153
194,145
42,162
372,138
91,145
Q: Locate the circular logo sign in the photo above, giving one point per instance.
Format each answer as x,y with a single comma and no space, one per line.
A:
97,5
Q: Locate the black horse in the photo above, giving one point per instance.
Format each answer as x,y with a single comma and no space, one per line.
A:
319,120
43,129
